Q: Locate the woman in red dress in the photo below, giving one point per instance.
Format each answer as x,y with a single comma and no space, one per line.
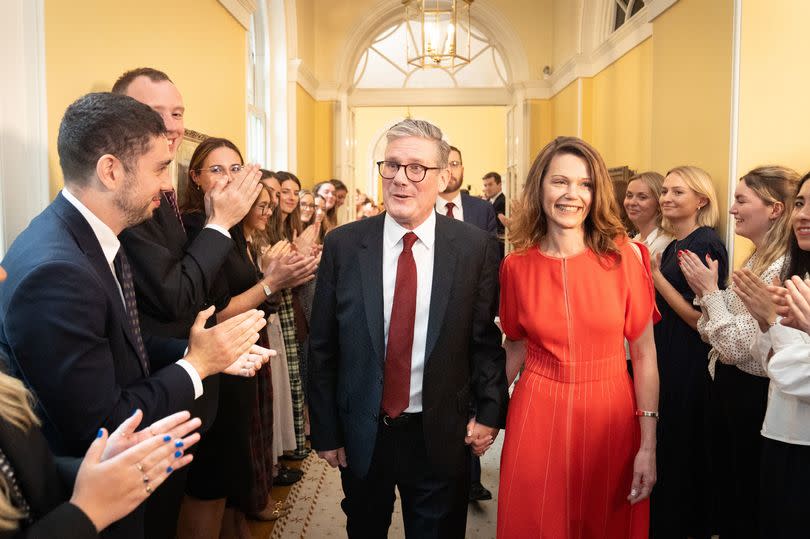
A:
579,453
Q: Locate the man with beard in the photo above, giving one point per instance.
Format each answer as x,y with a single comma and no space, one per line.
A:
459,205
68,315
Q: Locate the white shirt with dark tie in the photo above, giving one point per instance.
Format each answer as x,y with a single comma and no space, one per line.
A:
458,210
423,253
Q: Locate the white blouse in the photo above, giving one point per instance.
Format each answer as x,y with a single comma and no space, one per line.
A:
787,418
726,324
656,241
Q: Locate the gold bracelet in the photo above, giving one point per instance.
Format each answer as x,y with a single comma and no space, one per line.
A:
646,413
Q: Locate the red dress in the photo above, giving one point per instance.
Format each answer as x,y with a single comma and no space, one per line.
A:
571,433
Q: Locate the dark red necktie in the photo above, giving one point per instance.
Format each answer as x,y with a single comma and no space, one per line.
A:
397,380
450,207
171,197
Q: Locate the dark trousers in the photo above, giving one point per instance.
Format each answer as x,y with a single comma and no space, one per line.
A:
475,470
163,506
433,506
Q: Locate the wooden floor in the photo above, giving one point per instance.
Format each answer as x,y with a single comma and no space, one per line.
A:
262,530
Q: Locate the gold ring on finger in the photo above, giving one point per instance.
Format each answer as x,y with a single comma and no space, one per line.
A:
148,489
139,466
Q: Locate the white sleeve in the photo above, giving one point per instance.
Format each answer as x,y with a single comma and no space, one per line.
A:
789,366
729,334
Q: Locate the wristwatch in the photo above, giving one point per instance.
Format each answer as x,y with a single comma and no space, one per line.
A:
267,291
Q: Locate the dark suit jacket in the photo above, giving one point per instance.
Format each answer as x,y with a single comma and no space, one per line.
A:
479,212
464,361
65,332
173,283
499,205
45,489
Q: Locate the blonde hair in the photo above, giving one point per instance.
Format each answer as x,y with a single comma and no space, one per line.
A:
773,184
654,182
16,408
699,181
602,225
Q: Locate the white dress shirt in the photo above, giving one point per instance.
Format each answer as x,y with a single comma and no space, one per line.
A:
787,418
656,241
458,211
423,254
109,246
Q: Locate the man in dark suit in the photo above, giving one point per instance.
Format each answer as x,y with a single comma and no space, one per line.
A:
68,315
457,204
173,277
403,347
494,195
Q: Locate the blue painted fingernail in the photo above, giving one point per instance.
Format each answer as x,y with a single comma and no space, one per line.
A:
178,443
100,433
169,469
133,412
178,454
167,438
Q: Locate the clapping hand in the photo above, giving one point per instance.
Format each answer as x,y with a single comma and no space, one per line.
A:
229,199
480,437
250,362
793,303
702,279
756,297
176,425
110,487
306,241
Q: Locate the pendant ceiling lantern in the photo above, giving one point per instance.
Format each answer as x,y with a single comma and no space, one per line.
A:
438,33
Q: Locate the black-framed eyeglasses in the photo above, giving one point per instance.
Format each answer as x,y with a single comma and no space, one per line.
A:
413,171
308,205
220,170
264,209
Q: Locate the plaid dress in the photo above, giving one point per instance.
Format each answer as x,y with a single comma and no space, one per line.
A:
286,316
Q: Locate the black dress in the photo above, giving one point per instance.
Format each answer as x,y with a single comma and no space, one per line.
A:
224,466
682,500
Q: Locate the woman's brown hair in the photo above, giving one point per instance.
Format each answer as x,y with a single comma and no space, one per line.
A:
290,225
193,195
602,225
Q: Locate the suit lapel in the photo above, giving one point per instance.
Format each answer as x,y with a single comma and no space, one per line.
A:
88,243
444,267
371,255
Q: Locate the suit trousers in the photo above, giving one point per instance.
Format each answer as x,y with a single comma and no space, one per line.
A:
433,506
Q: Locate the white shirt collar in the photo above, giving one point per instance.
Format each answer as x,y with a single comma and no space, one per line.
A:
393,231
106,237
441,203
493,198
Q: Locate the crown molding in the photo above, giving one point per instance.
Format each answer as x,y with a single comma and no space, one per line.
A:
533,89
241,10
657,7
297,71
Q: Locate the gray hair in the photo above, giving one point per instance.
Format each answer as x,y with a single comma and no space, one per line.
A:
422,129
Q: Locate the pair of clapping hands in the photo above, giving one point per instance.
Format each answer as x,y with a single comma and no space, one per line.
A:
121,470
790,300
294,263
767,301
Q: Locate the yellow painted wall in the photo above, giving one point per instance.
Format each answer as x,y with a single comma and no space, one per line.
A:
773,111
305,136
89,43
305,19
564,107
479,132
565,31
540,125
621,109
314,135
691,108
